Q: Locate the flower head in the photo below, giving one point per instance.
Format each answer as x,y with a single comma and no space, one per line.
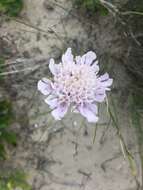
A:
75,84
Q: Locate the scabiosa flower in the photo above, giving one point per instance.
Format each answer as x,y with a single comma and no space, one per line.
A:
75,84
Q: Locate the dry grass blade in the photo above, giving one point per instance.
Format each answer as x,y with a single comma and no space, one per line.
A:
126,153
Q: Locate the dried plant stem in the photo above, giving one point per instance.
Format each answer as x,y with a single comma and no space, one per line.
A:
31,69
111,8
115,11
132,13
19,71
126,153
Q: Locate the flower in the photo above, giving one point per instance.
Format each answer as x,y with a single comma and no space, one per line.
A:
75,84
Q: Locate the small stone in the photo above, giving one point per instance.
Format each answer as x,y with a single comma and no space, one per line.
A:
75,123
36,125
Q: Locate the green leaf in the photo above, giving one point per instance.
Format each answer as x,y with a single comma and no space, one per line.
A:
18,179
11,180
11,7
103,11
2,185
91,6
2,152
9,137
6,115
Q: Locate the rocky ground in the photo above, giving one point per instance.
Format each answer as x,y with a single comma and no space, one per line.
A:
62,155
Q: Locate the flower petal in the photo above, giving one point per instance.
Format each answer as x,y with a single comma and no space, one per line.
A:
105,81
93,108
89,57
89,112
60,111
100,95
67,57
78,59
104,77
54,68
44,86
52,102
95,67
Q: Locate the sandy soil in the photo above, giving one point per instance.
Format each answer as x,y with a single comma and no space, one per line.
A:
62,155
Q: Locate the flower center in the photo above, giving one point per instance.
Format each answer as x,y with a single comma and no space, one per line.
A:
77,84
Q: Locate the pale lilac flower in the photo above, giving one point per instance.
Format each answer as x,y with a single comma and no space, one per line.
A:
75,84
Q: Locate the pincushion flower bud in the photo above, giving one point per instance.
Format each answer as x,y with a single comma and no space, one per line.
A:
76,85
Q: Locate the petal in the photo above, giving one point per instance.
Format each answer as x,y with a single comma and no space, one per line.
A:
104,77
44,86
89,111
99,97
54,68
89,57
93,108
60,111
53,103
95,68
67,57
105,81
78,59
